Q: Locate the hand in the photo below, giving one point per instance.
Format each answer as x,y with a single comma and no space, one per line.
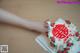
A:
46,26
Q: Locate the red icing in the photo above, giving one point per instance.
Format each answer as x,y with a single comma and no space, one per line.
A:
52,45
52,24
77,34
79,52
69,44
66,49
59,51
60,31
53,39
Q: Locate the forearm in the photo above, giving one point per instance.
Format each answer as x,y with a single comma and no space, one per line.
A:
15,20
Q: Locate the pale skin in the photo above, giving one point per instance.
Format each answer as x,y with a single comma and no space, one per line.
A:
9,18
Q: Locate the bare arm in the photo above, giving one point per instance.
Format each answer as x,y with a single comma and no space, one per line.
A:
15,20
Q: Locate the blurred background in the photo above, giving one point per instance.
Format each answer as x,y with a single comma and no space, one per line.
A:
23,41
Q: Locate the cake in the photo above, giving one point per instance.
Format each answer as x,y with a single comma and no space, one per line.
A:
64,36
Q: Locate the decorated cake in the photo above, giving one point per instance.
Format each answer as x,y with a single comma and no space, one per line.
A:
64,36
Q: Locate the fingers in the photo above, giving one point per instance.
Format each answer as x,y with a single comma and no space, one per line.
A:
46,20
45,23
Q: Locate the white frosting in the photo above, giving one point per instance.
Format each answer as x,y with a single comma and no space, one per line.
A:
71,30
